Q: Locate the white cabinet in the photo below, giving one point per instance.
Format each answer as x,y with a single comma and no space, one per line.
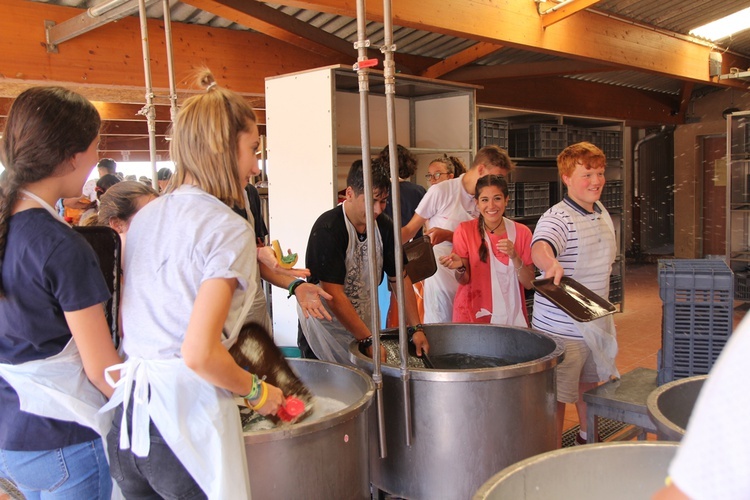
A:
738,202
313,129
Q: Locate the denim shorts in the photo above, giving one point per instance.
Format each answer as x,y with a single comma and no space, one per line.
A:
74,472
159,475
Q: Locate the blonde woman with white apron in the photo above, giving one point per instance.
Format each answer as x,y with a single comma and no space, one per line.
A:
190,281
491,261
54,339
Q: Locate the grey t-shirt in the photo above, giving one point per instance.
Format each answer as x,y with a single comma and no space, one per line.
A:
174,244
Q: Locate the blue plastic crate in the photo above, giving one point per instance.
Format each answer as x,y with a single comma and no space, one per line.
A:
612,195
539,140
510,206
532,198
578,134
615,288
698,300
492,131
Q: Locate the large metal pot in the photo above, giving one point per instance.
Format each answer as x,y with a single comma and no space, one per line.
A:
466,424
670,406
322,458
615,471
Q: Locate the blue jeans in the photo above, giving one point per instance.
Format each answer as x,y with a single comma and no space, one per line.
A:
74,472
160,475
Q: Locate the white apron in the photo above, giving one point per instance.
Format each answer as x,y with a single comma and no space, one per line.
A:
330,340
507,308
440,288
57,387
199,421
599,335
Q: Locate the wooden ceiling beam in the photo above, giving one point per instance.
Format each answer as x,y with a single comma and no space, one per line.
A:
456,61
550,18
685,94
111,55
526,70
571,97
586,36
274,23
267,20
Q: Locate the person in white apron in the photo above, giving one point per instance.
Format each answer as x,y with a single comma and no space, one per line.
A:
190,281
338,261
491,261
442,209
54,339
576,238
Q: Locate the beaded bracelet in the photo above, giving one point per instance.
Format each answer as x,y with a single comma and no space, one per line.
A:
411,330
293,286
261,401
366,342
255,390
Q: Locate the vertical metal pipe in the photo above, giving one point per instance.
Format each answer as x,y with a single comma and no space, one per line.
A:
148,110
364,123
389,67
170,60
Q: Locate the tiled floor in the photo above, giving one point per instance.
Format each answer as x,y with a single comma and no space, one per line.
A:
638,326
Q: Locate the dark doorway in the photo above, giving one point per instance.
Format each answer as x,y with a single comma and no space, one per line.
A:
714,202
656,190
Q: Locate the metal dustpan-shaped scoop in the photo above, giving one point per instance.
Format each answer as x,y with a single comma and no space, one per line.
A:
576,300
256,352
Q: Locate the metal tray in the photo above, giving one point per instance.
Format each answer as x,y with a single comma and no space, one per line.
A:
576,300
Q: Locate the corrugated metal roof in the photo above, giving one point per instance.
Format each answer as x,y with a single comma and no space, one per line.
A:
673,16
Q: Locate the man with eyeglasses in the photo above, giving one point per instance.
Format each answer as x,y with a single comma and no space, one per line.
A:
444,207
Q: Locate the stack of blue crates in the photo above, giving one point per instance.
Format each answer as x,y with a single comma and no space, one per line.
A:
698,306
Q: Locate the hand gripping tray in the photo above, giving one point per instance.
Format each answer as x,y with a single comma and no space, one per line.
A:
573,298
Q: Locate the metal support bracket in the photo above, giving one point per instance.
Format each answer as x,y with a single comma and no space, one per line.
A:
56,34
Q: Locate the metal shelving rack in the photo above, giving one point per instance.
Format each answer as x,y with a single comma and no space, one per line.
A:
603,133
738,202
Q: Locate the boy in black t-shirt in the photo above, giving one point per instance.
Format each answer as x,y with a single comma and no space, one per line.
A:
338,261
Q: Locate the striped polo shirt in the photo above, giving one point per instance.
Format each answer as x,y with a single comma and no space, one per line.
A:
569,228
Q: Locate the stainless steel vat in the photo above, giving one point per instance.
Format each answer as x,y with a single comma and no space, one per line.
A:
325,458
670,406
467,424
615,471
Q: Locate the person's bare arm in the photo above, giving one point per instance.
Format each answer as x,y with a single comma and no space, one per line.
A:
94,342
203,351
343,309
412,228
544,258
412,316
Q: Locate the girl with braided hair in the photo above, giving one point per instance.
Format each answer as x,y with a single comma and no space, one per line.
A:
492,261
54,339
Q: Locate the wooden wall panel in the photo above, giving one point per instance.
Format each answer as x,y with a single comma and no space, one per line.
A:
111,54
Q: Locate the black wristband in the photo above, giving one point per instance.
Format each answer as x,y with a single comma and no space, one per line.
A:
411,330
293,286
366,342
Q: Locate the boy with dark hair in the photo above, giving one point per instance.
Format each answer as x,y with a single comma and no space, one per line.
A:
338,261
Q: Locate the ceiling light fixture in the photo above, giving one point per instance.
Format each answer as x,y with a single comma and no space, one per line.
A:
724,27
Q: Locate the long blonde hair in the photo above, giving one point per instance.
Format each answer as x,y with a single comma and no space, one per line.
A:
205,139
